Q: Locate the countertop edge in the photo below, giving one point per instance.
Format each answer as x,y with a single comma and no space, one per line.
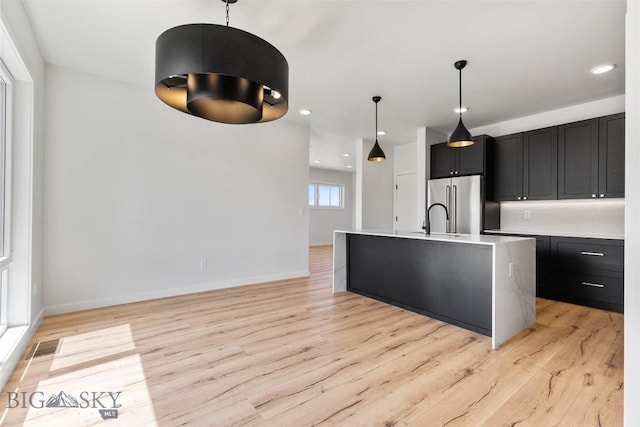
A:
474,239
557,234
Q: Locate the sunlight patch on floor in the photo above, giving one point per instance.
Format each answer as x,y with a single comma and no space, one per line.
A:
99,344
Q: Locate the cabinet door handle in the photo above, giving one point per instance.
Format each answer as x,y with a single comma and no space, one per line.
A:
602,195
524,198
592,253
593,285
451,173
519,198
593,195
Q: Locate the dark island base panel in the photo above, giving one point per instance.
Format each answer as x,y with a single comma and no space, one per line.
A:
436,316
445,281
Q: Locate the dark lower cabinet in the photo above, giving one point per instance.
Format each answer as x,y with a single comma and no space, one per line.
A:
419,275
581,271
588,272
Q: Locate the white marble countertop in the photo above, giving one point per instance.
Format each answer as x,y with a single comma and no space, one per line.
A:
479,239
558,234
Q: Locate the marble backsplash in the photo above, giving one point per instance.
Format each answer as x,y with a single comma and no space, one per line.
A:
581,217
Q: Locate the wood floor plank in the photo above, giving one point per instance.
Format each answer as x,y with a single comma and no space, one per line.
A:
293,353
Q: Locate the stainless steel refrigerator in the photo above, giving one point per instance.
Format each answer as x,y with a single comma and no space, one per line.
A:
464,197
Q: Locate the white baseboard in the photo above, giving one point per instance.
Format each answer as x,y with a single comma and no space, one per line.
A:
15,341
164,293
321,243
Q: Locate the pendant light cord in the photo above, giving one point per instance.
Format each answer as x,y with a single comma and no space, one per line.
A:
227,13
376,122
460,92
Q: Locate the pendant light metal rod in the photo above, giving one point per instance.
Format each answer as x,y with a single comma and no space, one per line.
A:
459,85
459,65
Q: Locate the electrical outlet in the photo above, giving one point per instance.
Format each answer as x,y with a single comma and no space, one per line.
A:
203,263
527,214
511,268
301,212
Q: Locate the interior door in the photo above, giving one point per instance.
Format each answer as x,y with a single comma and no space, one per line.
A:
406,202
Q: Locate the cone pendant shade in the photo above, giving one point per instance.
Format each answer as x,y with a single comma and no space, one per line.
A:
376,154
460,137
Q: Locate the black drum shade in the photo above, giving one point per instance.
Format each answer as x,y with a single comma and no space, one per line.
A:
221,74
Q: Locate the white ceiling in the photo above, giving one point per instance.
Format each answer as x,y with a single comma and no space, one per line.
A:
524,56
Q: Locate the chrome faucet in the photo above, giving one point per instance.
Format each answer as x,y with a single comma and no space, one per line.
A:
427,224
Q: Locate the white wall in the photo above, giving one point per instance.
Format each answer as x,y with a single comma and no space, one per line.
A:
405,159
322,222
601,107
377,189
20,52
137,194
426,138
632,226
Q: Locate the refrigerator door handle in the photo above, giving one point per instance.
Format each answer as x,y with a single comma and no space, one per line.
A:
454,208
448,197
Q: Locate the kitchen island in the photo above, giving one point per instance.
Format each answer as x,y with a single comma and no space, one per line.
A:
486,284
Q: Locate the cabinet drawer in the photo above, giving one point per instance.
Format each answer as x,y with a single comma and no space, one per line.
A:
586,287
589,253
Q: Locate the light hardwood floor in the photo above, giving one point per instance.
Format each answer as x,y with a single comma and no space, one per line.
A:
290,353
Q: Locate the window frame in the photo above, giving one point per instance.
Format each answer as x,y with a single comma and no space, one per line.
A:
316,184
6,119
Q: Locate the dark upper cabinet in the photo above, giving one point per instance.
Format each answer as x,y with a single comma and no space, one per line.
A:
526,165
508,174
443,160
447,161
540,164
591,158
611,156
578,160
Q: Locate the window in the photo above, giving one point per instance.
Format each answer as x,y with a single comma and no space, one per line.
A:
5,168
325,195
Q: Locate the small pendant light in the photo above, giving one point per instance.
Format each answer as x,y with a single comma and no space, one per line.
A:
376,154
460,137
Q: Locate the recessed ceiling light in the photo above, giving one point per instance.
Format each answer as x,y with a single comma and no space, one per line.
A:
349,166
305,112
604,68
382,132
459,110
346,155
316,161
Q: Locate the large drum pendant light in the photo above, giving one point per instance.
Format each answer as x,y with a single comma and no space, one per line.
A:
460,137
376,154
221,73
